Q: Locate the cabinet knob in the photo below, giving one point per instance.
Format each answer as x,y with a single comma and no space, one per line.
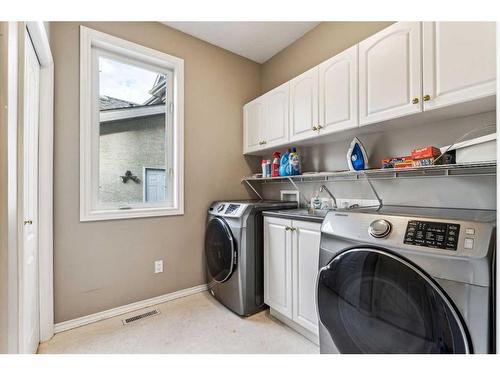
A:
427,98
264,142
415,101
28,222
320,127
287,228
314,128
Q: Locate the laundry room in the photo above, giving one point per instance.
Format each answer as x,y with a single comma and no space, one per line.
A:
250,186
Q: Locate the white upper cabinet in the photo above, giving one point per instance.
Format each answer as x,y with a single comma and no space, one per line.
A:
390,74
459,62
275,131
265,120
338,92
253,125
304,105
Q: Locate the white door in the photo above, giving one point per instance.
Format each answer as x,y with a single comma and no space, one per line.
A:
278,265
304,105
338,92
275,131
390,74
154,185
306,238
253,123
29,318
459,62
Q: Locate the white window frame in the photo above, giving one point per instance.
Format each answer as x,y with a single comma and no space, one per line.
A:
90,209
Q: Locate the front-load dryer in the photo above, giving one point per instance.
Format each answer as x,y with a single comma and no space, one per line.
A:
407,280
234,253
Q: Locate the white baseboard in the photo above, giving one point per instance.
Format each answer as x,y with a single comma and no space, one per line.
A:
92,318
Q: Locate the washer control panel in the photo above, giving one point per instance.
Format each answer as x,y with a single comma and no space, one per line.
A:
232,208
227,209
432,234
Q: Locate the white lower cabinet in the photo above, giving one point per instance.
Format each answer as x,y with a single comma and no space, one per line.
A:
291,254
278,265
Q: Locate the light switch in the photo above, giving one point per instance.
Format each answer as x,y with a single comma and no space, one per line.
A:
470,231
469,243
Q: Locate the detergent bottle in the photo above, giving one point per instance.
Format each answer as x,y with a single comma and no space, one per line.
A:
284,168
294,163
275,166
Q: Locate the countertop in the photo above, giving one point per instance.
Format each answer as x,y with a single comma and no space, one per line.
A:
304,214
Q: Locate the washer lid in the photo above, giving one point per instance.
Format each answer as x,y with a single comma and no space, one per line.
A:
373,301
220,250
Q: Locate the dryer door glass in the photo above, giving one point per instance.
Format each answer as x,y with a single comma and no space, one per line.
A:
373,301
219,250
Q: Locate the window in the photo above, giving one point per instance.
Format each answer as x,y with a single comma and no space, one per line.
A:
131,120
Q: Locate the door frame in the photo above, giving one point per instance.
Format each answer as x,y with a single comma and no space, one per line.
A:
40,40
16,59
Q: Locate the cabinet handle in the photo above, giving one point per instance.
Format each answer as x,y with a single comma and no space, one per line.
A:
415,101
28,222
314,128
293,229
320,127
288,228
427,98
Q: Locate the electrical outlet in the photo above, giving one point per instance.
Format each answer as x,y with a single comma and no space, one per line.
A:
158,266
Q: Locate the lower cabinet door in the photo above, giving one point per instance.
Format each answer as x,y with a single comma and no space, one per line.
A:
278,265
305,258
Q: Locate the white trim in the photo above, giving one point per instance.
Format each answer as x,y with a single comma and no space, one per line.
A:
89,211
39,37
470,142
10,56
92,318
133,112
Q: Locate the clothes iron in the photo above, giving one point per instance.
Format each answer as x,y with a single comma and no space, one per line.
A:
357,158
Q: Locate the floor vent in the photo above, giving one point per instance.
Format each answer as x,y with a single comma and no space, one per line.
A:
140,316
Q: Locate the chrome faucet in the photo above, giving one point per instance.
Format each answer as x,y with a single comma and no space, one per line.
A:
324,188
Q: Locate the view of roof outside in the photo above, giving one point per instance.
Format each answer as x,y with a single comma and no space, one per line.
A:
125,86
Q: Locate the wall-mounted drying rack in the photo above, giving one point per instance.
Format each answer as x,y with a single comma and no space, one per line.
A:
449,170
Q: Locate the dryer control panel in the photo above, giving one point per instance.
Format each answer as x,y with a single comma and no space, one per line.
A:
432,234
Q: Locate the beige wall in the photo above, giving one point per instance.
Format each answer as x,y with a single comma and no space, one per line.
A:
324,41
101,265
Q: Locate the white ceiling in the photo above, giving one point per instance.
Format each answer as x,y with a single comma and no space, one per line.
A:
257,41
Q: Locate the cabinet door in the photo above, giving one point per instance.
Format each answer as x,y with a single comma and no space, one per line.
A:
304,105
459,62
390,74
338,92
275,129
305,257
253,125
278,265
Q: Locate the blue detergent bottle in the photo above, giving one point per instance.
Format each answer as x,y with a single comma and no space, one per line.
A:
284,169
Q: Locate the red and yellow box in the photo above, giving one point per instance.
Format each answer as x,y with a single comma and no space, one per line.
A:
425,153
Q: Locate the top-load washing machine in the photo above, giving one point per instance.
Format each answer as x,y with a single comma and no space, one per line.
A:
234,253
407,280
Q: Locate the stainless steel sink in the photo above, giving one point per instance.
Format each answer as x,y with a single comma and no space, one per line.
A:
306,212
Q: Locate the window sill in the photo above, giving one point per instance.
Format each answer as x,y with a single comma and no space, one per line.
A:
135,213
